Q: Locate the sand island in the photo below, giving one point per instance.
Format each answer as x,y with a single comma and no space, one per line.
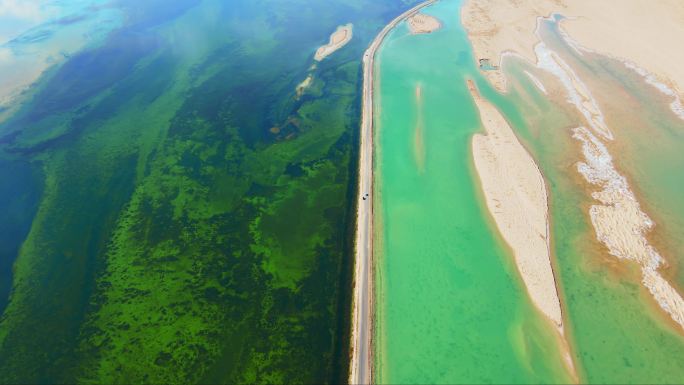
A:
338,39
422,23
516,197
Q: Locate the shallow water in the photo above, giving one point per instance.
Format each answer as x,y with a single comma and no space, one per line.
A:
181,216
451,306
618,333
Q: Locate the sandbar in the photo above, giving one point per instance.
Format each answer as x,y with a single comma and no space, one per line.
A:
338,39
515,193
422,23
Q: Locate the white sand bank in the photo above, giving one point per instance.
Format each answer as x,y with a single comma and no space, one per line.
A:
515,193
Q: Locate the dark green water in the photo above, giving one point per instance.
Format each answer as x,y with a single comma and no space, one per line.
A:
159,231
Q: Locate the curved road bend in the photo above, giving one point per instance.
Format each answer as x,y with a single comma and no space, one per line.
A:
361,361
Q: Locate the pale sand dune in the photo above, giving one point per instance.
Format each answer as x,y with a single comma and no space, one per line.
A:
338,39
646,33
516,197
422,23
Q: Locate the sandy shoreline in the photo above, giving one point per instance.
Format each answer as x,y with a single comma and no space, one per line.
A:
498,26
338,39
360,371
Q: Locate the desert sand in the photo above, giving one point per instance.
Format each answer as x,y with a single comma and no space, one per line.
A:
515,193
646,33
422,23
338,39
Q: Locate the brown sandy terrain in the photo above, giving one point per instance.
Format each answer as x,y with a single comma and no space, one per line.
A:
422,23
338,39
647,33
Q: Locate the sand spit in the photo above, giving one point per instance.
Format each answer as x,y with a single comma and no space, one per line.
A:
338,39
516,197
422,23
647,33
620,224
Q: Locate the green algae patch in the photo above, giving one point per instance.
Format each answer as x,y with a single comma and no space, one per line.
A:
171,235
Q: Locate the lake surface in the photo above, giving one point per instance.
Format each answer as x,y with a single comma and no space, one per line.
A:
171,210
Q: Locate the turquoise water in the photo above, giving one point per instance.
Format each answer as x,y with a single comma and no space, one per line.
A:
619,334
451,306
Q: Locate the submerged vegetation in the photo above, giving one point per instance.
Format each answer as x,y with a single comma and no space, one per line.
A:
177,213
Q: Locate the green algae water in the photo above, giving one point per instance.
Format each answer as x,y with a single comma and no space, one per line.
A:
451,307
171,211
